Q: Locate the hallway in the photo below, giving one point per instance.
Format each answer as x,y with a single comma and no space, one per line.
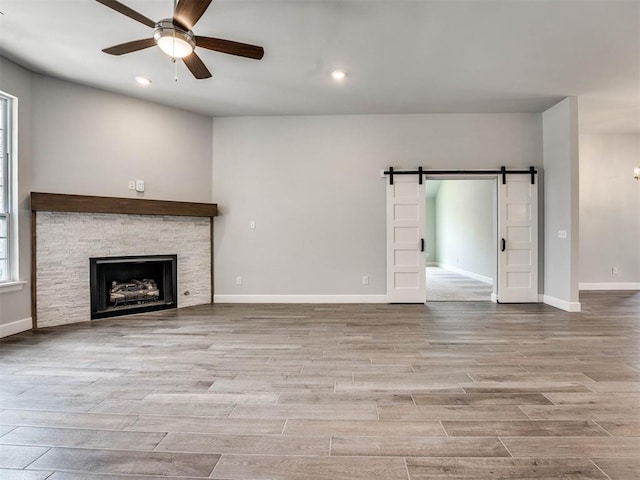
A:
447,286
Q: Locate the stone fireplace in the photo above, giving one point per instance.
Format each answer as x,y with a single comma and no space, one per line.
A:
68,231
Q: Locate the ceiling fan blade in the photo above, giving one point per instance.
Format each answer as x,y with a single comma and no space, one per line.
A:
129,12
230,47
130,46
188,12
196,66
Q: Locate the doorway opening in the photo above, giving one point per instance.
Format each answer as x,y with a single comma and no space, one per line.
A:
461,239
514,215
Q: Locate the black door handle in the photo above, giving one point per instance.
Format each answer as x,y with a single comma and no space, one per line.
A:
422,244
504,245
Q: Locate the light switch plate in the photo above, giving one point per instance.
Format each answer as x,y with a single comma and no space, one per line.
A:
562,234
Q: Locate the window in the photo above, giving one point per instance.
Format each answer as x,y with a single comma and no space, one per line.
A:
6,179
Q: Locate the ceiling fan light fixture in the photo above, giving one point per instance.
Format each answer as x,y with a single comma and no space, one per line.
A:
174,36
172,40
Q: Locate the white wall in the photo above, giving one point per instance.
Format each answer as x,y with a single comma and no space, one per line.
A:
609,212
313,187
465,226
560,143
15,307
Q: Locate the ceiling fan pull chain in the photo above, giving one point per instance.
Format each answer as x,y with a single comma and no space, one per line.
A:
175,75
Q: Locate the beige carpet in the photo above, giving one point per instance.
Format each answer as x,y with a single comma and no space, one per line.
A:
447,286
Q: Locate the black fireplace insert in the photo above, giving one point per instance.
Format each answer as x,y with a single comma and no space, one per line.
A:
132,284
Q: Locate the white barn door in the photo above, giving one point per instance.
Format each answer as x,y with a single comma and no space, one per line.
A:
406,224
517,240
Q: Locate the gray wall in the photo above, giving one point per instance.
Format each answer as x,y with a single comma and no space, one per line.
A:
609,211
79,140
16,81
91,142
312,184
313,187
560,141
465,226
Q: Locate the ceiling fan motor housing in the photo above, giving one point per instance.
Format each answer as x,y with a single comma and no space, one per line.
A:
173,40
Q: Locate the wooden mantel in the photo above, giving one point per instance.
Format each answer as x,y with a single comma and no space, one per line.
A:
57,202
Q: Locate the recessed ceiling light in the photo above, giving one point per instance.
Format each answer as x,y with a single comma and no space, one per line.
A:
338,75
143,81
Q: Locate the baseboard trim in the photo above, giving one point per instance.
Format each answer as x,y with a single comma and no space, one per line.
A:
475,276
609,286
15,327
300,299
572,307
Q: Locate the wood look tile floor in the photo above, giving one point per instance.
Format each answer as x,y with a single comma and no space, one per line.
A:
255,392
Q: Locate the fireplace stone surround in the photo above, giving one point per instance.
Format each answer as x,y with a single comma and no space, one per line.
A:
68,230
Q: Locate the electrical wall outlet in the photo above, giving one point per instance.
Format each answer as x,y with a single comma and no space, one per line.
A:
238,280
132,184
252,224
365,279
139,185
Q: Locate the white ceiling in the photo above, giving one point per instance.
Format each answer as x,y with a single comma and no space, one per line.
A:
401,56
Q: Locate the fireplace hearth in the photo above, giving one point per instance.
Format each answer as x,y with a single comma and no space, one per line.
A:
132,284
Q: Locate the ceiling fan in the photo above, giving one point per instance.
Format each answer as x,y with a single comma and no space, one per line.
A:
175,37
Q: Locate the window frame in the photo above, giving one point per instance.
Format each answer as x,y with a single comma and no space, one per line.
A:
8,164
